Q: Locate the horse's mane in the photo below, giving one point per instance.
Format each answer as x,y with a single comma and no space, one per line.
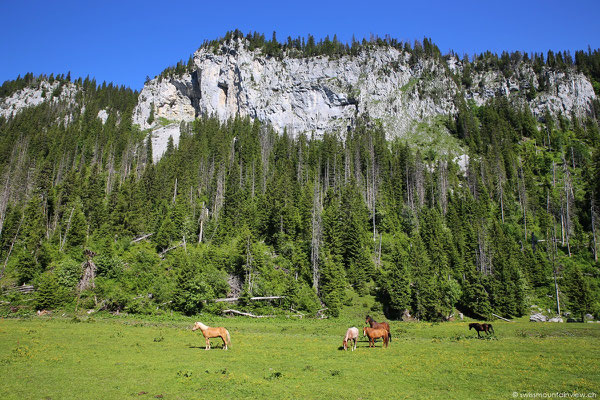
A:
201,325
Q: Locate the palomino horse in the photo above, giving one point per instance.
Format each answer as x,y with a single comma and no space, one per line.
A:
351,334
375,333
213,333
487,328
379,325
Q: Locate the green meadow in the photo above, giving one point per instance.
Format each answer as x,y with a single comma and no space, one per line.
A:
105,357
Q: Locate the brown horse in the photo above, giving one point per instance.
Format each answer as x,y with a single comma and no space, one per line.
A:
379,325
213,333
375,333
487,328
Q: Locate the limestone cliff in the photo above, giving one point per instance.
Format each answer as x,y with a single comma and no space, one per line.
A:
36,95
319,94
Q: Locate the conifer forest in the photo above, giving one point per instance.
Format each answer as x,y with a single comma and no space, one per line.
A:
236,209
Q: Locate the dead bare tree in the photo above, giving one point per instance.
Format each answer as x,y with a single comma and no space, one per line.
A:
419,181
443,185
316,233
483,259
201,219
501,179
593,214
12,244
249,266
64,238
523,198
88,276
266,146
110,167
219,193
89,272
568,201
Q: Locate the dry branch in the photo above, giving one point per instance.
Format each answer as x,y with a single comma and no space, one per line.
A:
236,312
234,299
139,239
165,251
499,317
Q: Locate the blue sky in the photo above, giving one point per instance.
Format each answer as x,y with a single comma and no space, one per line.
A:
125,41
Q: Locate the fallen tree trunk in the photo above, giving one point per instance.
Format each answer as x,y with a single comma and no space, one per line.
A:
234,299
141,238
236,312
499,317
165,251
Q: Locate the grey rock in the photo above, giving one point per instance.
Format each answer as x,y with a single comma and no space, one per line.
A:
538,317
34,96
103,116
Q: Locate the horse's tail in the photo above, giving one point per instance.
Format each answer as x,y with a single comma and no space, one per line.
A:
390,334
492,329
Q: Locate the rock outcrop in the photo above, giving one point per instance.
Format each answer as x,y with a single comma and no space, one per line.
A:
34,96
314,95
319,94
538,317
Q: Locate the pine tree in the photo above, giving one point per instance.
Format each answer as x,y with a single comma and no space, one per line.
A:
398,284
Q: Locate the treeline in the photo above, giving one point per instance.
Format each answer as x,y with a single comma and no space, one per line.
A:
239,209
586,62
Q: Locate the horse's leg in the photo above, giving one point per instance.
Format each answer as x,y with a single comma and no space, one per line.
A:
224,342
207,344
354,348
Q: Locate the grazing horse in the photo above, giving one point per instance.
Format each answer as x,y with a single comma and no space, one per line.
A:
212,333
351,334
487,328
379,325
375,333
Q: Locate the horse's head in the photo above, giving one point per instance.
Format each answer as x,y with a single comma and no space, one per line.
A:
368,319
364,331
198,325
345,344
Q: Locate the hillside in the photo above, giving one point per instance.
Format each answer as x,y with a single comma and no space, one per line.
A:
314,171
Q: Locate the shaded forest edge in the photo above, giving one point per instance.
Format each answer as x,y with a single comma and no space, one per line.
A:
244,211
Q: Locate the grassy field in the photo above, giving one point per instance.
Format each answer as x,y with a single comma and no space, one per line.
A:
108,357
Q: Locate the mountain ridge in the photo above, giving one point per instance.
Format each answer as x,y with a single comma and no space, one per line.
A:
327,94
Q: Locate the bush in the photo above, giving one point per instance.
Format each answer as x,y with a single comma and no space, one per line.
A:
49,294
27,268
68,273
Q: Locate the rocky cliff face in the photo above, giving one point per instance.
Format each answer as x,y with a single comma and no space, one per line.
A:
33,96
319,94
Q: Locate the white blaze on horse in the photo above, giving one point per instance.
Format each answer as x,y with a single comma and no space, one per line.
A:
209,332
351,334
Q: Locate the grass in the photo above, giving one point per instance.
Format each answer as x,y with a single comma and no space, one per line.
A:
433,135
123,357
409,85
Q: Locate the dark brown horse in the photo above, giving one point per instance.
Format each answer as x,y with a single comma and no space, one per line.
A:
376,333
379,325
487,328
